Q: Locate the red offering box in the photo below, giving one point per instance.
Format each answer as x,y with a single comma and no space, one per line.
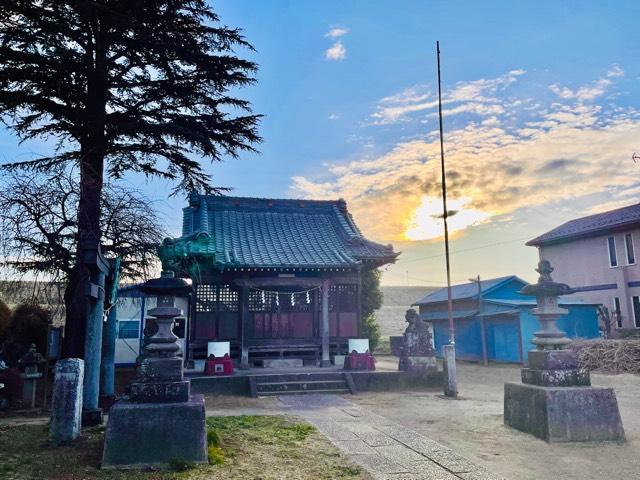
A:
218,365
359,361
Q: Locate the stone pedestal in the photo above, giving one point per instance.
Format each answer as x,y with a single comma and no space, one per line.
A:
556,403
153,434
419,365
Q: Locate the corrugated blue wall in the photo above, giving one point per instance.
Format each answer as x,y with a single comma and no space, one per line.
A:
502,339
468,347
580,322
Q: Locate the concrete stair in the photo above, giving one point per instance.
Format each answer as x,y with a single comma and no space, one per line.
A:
297,383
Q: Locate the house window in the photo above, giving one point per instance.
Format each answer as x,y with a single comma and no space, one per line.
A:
636,310
617,316
128,329
613,259
628,243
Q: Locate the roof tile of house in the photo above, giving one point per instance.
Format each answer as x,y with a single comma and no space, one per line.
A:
593,224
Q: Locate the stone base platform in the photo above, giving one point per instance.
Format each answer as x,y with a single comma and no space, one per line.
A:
282,363
142,435
418,365
563,414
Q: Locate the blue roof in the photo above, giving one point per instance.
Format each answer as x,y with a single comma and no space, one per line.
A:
457,314
600,223
467,290
531,301
277,233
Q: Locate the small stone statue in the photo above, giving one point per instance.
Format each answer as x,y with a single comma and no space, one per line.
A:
417,354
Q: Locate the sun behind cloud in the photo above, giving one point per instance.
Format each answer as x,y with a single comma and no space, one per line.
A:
427,223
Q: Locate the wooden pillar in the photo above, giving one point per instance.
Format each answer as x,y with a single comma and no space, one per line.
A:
244,328
359,300
326,360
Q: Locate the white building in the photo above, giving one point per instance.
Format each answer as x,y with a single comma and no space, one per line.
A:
597,256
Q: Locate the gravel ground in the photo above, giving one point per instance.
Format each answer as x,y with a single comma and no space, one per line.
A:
473,426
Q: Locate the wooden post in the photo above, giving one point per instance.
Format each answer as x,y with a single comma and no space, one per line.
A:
483,333
244,328
326,360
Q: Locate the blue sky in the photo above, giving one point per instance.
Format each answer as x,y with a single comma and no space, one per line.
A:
541,120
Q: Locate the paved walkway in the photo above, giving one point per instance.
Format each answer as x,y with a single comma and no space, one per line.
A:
384,448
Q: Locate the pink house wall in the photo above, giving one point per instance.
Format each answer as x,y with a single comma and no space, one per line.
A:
584,263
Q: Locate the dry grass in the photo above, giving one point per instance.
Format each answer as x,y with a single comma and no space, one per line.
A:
609,356
248,447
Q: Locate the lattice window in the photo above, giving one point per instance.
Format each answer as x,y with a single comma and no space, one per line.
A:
227,299
301,302
343,298
213,298
206,297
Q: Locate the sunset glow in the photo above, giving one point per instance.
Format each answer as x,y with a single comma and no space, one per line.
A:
426,223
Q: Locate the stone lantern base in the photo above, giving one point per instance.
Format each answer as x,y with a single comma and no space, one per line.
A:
556,402
141,435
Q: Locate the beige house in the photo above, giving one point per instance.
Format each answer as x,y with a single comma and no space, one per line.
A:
598,256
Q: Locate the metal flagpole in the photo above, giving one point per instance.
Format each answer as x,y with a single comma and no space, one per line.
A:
449,351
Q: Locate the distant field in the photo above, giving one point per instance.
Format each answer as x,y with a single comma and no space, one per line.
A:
396,301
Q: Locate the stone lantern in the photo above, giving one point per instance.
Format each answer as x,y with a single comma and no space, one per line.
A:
555,400
161,420
30,373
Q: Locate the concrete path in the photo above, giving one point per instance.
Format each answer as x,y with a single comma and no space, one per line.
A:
385,449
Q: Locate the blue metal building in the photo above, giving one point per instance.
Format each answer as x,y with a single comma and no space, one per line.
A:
493,321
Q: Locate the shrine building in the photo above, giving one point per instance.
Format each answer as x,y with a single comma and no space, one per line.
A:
276,278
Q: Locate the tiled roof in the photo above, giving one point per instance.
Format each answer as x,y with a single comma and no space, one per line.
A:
276,233
465,290
593,224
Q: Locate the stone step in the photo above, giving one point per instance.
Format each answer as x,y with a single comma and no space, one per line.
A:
315,385
299,377
336,391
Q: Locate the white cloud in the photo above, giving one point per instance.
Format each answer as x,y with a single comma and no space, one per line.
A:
588,93
336,52
333,116
560,152
615,71
477,96
337,32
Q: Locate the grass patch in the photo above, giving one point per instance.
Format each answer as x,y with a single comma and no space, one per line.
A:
243,447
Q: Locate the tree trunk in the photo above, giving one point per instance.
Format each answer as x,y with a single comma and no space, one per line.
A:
91,182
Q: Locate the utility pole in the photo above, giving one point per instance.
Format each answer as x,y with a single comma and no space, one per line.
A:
483,334
449,351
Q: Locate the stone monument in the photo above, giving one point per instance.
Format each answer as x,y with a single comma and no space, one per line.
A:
161,421
66,414
555,401
417,355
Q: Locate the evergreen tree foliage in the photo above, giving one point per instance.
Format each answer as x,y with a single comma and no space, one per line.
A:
371,301
122,86
5,317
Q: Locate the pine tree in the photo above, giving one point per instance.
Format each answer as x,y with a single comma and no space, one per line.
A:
123,86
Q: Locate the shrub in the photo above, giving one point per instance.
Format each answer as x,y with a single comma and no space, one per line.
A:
371,330
29,324
213,438
215,454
